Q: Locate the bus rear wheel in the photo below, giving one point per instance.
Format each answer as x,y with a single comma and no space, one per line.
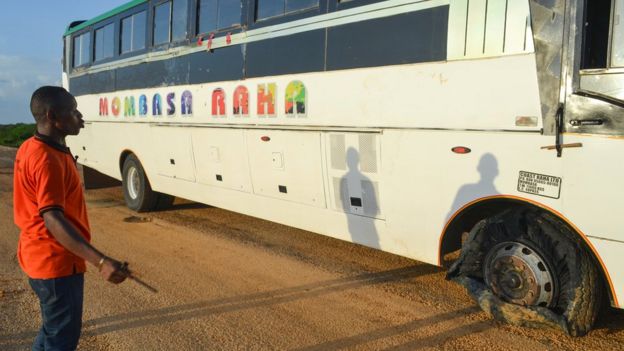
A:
137,190
530,258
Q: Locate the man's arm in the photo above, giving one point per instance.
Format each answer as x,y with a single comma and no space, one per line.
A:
68,236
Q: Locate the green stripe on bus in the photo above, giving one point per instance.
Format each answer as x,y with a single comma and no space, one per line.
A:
104,16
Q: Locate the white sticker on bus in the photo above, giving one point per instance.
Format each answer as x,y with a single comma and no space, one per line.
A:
539,184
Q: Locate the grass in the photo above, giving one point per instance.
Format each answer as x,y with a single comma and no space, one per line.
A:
15,134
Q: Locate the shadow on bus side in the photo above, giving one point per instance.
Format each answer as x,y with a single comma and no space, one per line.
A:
362,231
488,170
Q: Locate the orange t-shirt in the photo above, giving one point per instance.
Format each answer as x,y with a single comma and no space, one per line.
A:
46,178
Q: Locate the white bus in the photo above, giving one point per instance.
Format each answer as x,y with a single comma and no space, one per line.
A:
417,127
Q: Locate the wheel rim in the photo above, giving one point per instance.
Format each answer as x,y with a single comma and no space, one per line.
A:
134,182
520,275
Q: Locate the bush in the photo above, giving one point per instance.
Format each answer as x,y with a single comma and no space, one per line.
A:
15,134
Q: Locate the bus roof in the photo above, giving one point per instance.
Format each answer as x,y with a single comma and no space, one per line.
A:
104,16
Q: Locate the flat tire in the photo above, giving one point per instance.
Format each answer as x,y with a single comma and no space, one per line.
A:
531,258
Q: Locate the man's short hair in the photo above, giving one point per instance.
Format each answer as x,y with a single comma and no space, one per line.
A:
47,98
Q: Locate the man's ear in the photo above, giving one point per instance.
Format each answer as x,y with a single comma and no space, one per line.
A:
49,116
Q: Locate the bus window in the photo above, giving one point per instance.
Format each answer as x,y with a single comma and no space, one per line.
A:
213,15
133,32
162,14
82,48
596,34
168,26
104,42
272,8
617,48
603,50
179,20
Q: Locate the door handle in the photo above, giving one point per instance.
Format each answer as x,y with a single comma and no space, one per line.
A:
586,122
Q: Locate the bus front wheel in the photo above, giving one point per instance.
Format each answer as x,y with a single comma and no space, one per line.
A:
533,269
137,190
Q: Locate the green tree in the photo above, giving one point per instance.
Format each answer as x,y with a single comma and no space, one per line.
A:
14,134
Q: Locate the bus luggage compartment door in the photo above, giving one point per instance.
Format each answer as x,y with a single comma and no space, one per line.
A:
287,165
173,152
221,158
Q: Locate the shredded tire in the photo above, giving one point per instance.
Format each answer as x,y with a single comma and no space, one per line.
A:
578,298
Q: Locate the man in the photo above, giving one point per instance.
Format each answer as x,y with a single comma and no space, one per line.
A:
50,210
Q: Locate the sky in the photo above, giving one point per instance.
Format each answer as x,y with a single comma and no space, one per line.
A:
31,33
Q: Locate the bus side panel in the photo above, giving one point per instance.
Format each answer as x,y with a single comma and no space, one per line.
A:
428,95
110,140
594,184
221,158
287,165
354,171
172,150
426,183
279,208
593,197
84,145
612,254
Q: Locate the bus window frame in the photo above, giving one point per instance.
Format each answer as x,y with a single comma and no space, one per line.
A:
131,12
581,104
73,49
169,44
609,65
611,36
337,5
578,71
221,31
115,22
254,23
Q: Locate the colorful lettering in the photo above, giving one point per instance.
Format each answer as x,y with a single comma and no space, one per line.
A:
156,105
241,101
266,99
103,107
295,99
129,106
218,102
187,103
295,102
171,104
116,106
142,105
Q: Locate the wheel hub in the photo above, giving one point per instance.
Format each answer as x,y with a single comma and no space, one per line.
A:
134,182
519,275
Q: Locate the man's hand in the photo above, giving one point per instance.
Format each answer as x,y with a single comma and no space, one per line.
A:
66,234
113,270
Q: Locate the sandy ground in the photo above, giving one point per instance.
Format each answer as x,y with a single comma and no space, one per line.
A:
231,282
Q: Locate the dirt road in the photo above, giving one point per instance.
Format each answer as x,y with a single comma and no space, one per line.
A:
232,282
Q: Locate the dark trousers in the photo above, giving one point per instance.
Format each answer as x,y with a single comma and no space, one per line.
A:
61,311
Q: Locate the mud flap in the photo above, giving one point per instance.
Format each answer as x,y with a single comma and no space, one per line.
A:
467,272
